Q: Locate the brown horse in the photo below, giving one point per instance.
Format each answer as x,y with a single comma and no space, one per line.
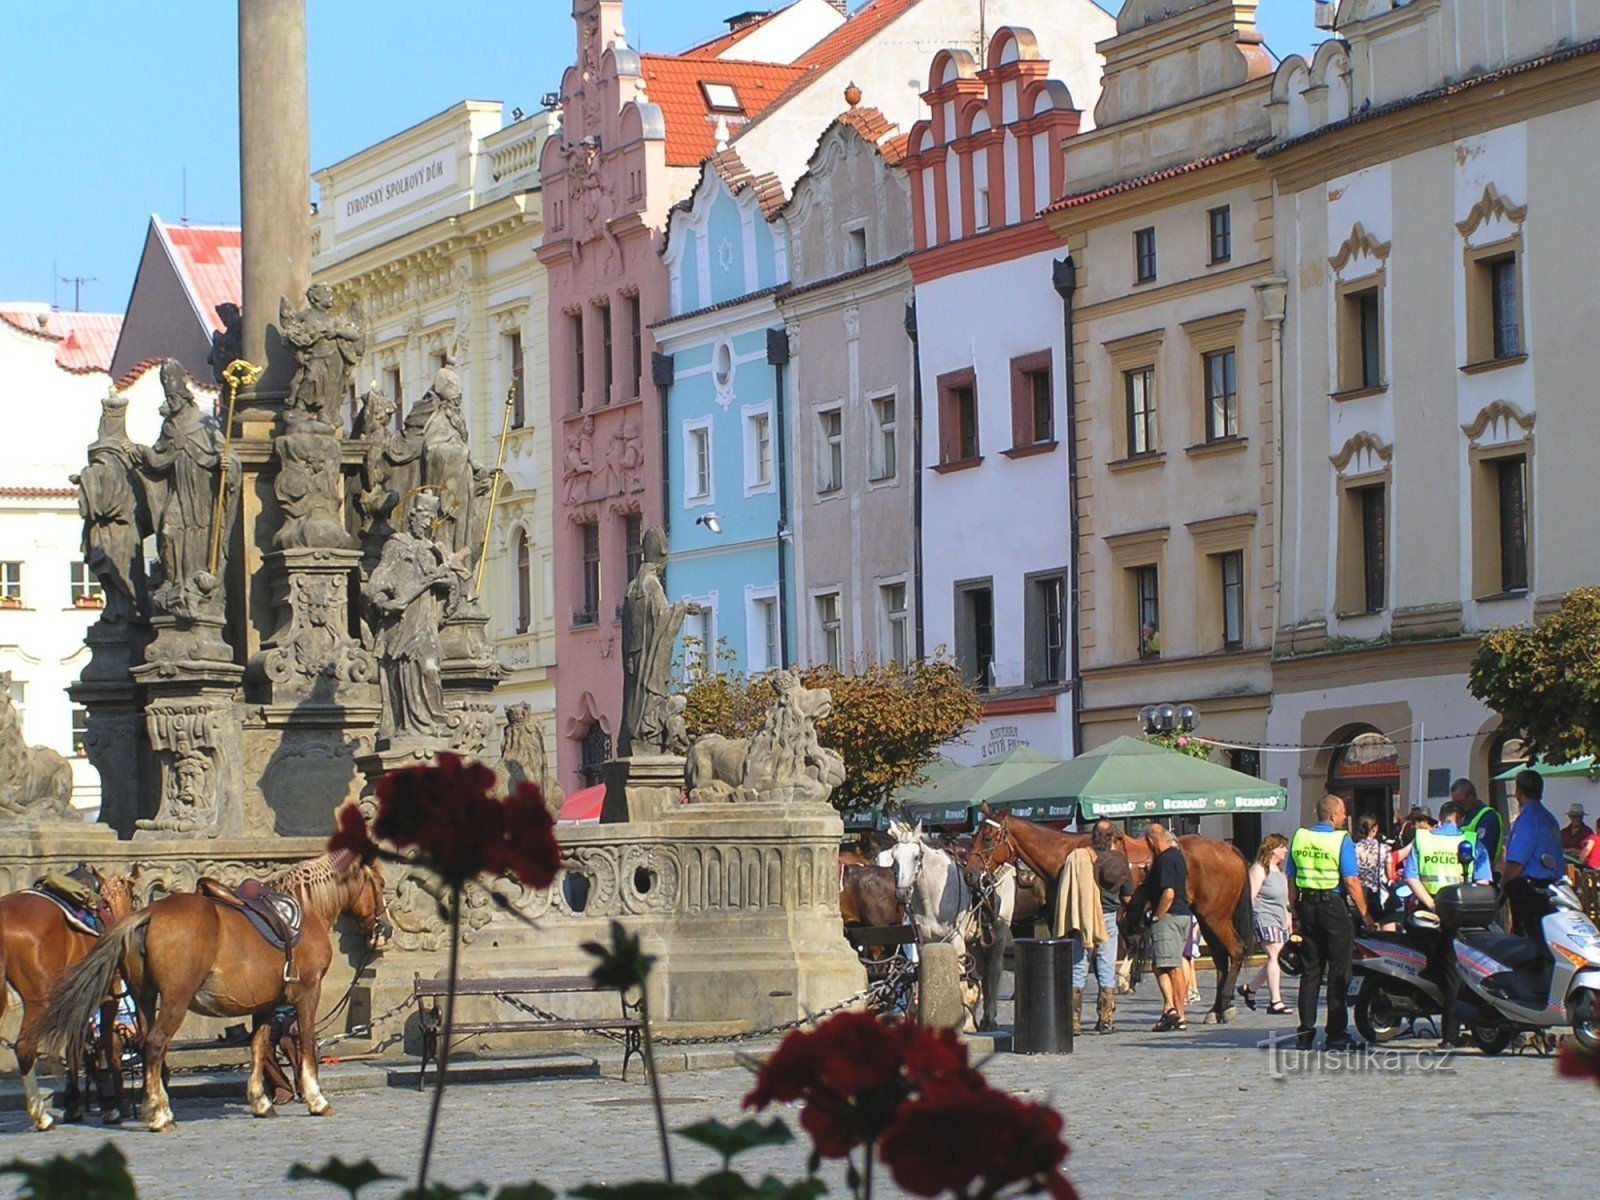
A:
186,953
1219,890
37,946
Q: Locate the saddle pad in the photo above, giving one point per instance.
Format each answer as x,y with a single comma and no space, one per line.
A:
80,919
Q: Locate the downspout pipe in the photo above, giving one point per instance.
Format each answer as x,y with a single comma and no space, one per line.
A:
916,476
778,359
662,372
1064,278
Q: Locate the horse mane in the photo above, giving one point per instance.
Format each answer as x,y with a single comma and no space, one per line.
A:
320,883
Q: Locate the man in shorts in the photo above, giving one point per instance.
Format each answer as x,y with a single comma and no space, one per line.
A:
1170,918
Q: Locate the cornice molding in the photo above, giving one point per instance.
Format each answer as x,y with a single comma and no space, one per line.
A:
1362,441
1359,242
1495,411
1492,205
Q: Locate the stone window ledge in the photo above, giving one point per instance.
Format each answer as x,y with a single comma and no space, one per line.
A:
1223,445
1493,364
960,464
1357,393
1031,450
1137,462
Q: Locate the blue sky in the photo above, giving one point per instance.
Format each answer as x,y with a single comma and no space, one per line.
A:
110,104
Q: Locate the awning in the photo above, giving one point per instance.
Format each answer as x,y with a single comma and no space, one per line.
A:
583,806
1578,766
1129,777
950,799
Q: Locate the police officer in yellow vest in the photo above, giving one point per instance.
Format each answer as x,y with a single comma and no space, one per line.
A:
1322,871
1435,862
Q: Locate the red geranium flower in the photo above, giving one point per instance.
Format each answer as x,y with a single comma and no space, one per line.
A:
1577,1064
352,835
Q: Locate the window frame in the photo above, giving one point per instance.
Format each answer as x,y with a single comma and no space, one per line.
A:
516,377
830,450
1219,228
698,475
951,387
1235,606
591,574
977,668
1352,378
576,333
1045,655
84,589
883,447
829,628
754,417
608,366
636,344
12,580
761,603
1483,304
1144,255
1487,465
1139,421
1026,371
1229,397
522,573
632,545
894,624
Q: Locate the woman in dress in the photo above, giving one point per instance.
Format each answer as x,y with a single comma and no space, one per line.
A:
1269,892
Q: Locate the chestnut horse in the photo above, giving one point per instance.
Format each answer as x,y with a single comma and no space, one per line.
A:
185,953
1219,891
37,946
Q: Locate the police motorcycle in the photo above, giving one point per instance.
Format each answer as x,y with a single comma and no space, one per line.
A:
1396,976
1525,985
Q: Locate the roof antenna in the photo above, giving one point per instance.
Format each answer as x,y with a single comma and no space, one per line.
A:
77,282
185,218
55,286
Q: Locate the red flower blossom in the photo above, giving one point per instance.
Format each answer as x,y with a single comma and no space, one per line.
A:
448,813
1575,1063
352,835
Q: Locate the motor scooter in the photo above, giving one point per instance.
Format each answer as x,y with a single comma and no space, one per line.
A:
1396,977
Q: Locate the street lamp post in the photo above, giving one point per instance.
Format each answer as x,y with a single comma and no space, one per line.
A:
1166,719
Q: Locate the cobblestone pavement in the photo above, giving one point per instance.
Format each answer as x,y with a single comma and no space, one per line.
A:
1203,1113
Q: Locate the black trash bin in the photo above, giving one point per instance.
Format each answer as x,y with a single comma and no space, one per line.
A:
1043,1020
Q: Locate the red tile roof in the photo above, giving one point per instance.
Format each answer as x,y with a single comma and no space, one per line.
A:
1139,181
769,191
208,258
672,83
39,493
874,127
84,341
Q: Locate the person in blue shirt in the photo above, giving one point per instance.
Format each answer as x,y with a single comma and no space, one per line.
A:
1323,871
1434,862
1535,838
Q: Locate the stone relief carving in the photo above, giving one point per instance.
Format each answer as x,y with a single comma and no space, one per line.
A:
115,518
35,781
579,460
650,628
326,345
196,740
308,489
378,497
317,645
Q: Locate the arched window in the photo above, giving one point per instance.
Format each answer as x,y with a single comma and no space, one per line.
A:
1505,752
596,750
1366,771
524,583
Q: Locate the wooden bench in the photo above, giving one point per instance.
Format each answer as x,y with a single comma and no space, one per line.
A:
431,1019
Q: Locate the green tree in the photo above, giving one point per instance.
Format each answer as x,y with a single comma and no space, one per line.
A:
888,719
1544,679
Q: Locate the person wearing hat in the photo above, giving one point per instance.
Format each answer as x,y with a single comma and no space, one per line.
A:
1576,831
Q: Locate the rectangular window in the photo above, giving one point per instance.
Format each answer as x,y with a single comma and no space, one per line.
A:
1361,339
1032,401
958,418
519,407
589,544
19,696
896,646
1504,309
1220,224
975,633
1147,610
575,327
699,643
830,450
1144,255
697,467
1222,396
758,450
1041,406
855,249
1374,573
765,652
1511,480
608,369
1046,642
633,542
1232,568
85,588
635,346
11,583
966,406
831,637
981,208
80,731
1139,388
885,446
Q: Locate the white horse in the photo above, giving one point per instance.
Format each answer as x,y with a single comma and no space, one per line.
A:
934,889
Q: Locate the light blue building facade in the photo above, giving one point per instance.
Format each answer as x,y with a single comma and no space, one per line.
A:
725,424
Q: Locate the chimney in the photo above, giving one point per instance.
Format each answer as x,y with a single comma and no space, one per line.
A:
738,22
842,5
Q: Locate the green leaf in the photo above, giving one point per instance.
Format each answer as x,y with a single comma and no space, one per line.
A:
99,1175
623,964
351,1177
730,1141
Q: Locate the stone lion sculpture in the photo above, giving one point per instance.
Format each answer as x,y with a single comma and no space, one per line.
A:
781,761
522,755
35,781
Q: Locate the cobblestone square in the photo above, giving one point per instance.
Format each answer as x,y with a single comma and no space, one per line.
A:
1205,1113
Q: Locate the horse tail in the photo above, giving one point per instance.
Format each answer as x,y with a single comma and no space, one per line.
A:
64,1028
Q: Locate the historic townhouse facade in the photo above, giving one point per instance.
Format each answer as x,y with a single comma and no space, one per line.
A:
725,261
433,232
996,545
1175,311
853,474
1431,215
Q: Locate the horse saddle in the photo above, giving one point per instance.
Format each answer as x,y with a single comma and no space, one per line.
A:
78,901
275,914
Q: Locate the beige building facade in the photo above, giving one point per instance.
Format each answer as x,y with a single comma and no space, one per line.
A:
1175,318
434,233
1432,210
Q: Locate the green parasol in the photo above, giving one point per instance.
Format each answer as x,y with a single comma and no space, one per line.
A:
1578,766
950,799
1129,777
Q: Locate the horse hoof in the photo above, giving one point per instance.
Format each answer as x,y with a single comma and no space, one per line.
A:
1212,1019
168,1127
111,1118
72,1116
325,1111
264,1113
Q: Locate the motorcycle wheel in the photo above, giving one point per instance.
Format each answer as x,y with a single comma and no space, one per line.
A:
1491,1038
1376,1018
1586,1019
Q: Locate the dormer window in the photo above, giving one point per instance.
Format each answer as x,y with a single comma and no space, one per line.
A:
721,97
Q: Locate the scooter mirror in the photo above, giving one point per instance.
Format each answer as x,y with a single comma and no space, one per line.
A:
1464,855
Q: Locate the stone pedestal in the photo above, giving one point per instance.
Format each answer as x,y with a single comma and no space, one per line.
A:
375,764
193,727
115,741
643,787
314,657
469,674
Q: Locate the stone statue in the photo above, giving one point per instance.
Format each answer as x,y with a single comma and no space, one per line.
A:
632,458
227,343
35,782
435,448
782,761
378,497
182,473
522,755
115,519
308,488
579,472
326,346
417,585
649,630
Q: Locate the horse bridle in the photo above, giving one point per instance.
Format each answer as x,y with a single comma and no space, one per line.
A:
382,927
985,857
